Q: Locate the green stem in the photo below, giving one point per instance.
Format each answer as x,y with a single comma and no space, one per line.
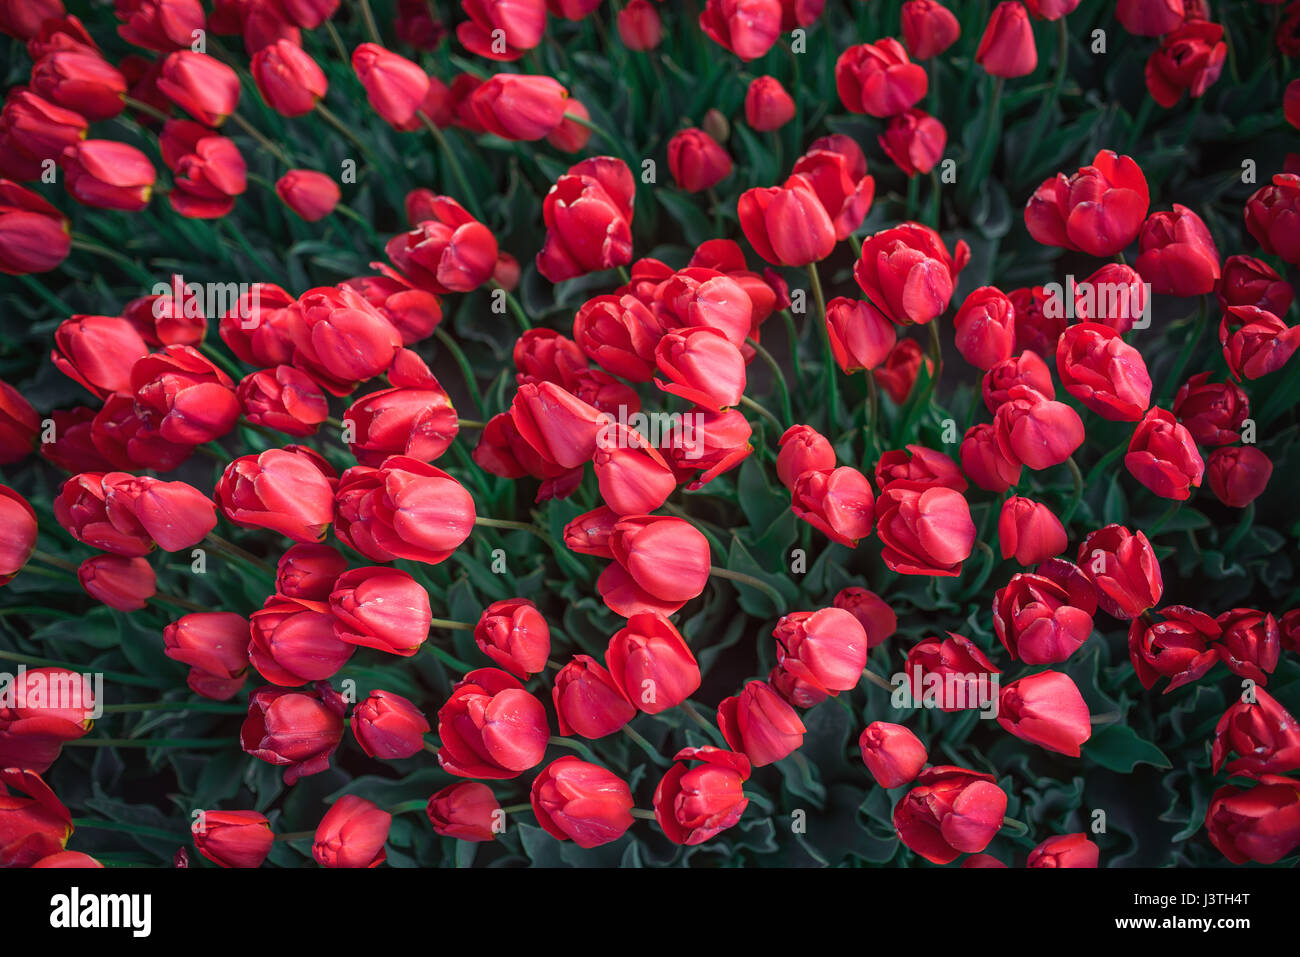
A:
645,746
470,424
749,403
117,677
54,560
262,139
468,197
520,316
234,551
371,26
783,389
141,107
832,370
450,625
512,525
465,369
1062,62
332,119
213,707
573,745
1075,474
406,807
877,680
742,579
449,660
138,272
643,814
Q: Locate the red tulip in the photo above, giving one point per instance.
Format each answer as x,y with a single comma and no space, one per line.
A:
701,366
1190,58
36,130
184,395
878,79
1007,47
279,490
1035,430
951,811
34,236
838,502
985,327
787,225
1272,214
632,475
128,516
650,664
759,724
1029,531
983,461
1239,474
297,729
81,81
1099,210
914,140
1247,281
41,708
1213,412
1103,372
639,26
395,87
1114,296
1064,850
588,701
803,449
414,313
1261,824
23,18
559,426
826,649
293,642
892,753
1262,733
919,465
1045,617
515,636
288,78
502,29
1162,456
123,583
283,399
694,804
352,834
929,28
520,106
382,608
1026,369
19,425
341,340
696,160
451,251
837,171
950,673
17,533
201,85
160,25
619,333
1046,709
588,218
1249,644
68,859
309,571
924,530
577,801
233,838
1177,254
1150,18
122,437
491,727
872,612
310,194
108,175
215,646
1123,566
907,273
748,28
467,811
1256,342
767,104
702,297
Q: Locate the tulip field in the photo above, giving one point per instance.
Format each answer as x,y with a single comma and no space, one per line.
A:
619,433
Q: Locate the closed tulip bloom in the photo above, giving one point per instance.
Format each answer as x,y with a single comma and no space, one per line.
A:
574,131
121,436
929,28
33,822
1123,566
919,465
24,19
924,530
201,85
651,665
826,649
1099,210
1247,281
34,236
520,106
760,724
17,533
872,612
341,340
1177,255
837,170
1239,474
719,442
1213,412
966,673
68,859
388,726
1256,342
395,87
803,449
1029,531
45,707
892,753
184,395
639,26
1261,824
914,140
293,642
696,160
515,636
233,838
1150,18
309,571
588,702
451,251
619,333
560,427
1189,59
951,811
82,81
1181,647
36,130
838,502
416,423
160,25
259,327
502,29
413,312
381,608
633,477
283,399
1045,617
207,177
1163,456
215,646
692,804
1007,47
907,273
19,425
588,218
108,175
310,194
467,811
1046,709
702,297
1036,431
279,490
123,583
1263,735
1114,296
1271,215
787,225
129,515
984,462
1249,643
297,729
767,104
985,327
352,834
578,801
1038,327
1064,850
288,78
702,367
491,727
878,79
747,28
1103,372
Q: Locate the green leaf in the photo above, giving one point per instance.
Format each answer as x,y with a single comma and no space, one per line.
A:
1118,748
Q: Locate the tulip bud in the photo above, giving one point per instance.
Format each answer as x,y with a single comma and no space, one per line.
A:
1007,47
1247,281
298,729
288,78
1064,850
519,106
1177,255
914,140
929,28
279,490
310,194
1036,431
702,367
924,530
692,804
1189,59
184,395
951,811
878,79
1239,474
215,646
1029,531
787,225
407,509
748,30
984,462
491,727
82,81
908,274
803,449
1182,647
34,235
759,724
1046,709
965,673
382,608
294,642
451,251
201,85
352,834
696,161
123,583
1103,372
514,634
588,217
395,87
1163,457
892,753
587,700
17,533
108,175
1261,824
233,838
467,811
582,802
827,649
309,571
651,665
860,335
767,104
837,502
872,612
639,26
1256,342
620,334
